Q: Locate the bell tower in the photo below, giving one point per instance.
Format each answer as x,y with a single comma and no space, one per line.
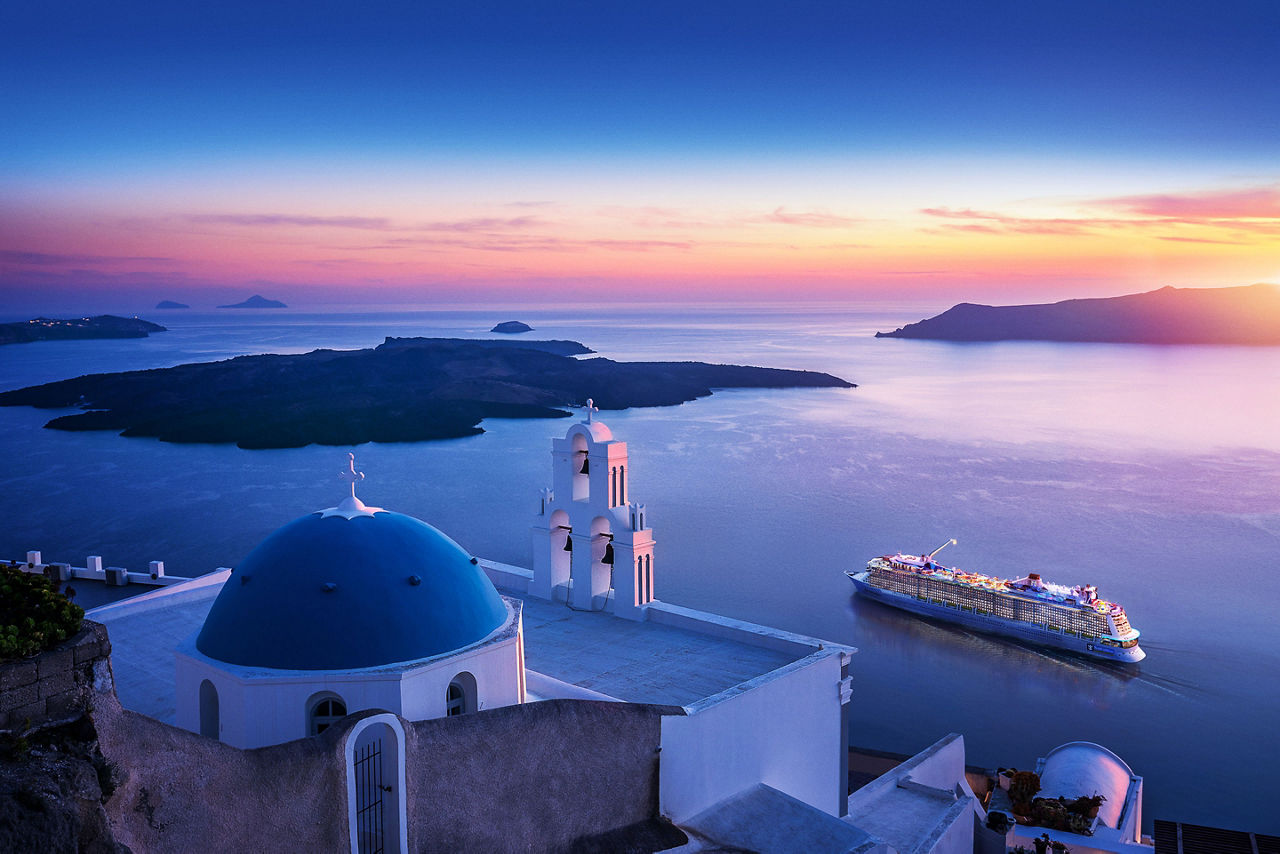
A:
592,548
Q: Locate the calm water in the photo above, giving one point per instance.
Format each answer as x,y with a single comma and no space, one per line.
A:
1153,472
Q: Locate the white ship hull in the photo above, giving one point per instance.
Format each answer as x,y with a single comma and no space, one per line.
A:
989,624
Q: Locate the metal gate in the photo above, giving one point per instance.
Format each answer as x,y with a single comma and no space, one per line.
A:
370,787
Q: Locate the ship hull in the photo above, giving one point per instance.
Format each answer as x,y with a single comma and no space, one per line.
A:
995,625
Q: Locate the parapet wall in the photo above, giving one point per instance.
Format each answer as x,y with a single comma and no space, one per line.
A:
55,686
533,777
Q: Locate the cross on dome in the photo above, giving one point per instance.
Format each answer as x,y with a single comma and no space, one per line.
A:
351,506
351,475
591,407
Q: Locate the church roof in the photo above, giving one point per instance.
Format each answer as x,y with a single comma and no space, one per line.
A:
343,590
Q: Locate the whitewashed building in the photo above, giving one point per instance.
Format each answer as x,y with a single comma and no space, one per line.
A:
345,609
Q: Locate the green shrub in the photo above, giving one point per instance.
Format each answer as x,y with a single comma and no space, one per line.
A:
34,616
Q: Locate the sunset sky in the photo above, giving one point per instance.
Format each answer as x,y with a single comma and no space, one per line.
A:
425,153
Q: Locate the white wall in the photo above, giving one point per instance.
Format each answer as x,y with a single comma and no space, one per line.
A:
256,712
782,730
261,706
941,765
496,668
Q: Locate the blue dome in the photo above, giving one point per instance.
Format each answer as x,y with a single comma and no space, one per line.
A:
332,593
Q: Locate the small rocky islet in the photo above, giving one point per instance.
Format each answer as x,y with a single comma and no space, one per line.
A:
256,301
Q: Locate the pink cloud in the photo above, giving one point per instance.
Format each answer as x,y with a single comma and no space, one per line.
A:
15,256
812,219
292,219
1257,203
483,224
1205,240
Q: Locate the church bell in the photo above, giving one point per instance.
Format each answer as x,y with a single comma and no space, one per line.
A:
586,466
568,543
608,554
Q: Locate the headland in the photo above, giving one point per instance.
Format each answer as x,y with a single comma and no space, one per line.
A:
1243,316
102,326
404,390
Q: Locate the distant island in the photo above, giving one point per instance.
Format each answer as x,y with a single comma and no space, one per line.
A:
256,301
1244,315
511,327
168,303
102,326
404,390
556,347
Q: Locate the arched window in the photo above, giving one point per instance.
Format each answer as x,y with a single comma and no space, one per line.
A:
325,710
210,726
460,698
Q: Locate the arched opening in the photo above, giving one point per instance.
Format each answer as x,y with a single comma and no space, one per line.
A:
580,468
601,555
323,711
648,578
210,724
375,786
461,696
561,549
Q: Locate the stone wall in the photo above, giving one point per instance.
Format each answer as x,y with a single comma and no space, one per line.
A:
55,686
560,775
542,776
179,792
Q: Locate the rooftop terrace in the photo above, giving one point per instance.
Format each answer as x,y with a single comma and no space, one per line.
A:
636,662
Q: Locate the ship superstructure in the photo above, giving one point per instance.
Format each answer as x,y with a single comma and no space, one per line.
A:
1072,618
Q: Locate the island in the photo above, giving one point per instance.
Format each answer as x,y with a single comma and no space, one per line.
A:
256,301
102,326
168,303
1247,315
512,327
404,390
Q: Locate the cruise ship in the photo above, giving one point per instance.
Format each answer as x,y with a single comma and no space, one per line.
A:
1028,608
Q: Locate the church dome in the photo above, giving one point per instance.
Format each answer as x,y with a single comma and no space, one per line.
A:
350,588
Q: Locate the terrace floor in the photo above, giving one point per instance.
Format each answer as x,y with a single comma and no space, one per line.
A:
631,661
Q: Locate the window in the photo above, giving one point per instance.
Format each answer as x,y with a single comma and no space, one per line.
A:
325,712
461,697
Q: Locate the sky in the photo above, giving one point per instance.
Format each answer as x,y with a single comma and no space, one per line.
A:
428,153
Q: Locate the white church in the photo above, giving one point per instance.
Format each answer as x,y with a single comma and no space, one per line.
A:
405,695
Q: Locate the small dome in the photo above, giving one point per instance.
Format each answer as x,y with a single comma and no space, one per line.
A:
327,592
1081,769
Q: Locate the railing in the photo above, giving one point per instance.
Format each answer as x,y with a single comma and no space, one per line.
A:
93,570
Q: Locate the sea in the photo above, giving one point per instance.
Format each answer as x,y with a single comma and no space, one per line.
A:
1150,471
